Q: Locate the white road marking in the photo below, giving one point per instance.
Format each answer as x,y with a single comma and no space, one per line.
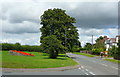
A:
82,67
86,69
92,73
79,68
86,73
104,64
115,68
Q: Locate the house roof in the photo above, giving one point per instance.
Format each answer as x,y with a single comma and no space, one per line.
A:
118,36
113,40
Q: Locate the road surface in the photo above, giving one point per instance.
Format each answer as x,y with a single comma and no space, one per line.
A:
88,66
95,66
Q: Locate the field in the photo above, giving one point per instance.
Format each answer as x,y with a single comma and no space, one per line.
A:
40,60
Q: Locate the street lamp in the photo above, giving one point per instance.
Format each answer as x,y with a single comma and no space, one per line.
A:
92,44
65,38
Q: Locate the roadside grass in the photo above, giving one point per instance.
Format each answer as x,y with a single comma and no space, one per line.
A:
85,54
40,60
112,60
0,59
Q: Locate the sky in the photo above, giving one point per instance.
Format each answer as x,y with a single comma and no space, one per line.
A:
20,21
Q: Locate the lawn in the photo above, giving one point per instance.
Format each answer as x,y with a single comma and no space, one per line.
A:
85,54
112,60
40,60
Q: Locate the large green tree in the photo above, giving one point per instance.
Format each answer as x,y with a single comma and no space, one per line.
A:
57,22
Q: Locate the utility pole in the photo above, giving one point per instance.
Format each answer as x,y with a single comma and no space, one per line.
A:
92,41
65,43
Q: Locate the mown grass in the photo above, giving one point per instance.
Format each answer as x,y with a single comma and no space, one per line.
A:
0,59
40,60
112,60
85,54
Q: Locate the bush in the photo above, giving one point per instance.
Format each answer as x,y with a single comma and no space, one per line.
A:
114,52
97,51
75,48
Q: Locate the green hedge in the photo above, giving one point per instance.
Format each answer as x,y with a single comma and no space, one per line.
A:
97,51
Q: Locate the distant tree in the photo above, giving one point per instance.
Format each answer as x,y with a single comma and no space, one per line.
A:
7,46
99,43
99,39
17,46
88,46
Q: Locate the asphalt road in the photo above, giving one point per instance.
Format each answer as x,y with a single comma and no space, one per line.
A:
95,66
88,66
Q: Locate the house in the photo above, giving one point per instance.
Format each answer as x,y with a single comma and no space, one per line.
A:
109,42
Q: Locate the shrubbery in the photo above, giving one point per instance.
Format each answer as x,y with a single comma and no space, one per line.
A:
75,48
114,52
97,51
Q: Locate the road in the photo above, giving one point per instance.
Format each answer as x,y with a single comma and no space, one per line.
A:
95,66
88,66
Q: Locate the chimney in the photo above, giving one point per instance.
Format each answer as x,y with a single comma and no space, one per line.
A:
105,36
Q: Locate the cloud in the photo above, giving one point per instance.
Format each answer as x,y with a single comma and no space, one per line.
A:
18,28
24,39
87,14
18,12
113,32
21,19
91,31
95,15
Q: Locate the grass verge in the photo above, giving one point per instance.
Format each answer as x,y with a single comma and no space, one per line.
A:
40,60
112,60
85,54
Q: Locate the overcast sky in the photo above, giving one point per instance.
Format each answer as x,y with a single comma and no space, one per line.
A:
21,20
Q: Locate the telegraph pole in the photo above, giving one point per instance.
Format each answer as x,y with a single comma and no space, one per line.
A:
65,43
92,41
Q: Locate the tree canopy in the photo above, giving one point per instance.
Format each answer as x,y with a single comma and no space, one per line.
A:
99,43
100,38
88,46
57,22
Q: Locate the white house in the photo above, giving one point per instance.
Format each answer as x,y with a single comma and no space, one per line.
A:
109,42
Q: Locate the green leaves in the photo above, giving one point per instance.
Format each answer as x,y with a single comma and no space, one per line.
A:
52,45
88,46
58,26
